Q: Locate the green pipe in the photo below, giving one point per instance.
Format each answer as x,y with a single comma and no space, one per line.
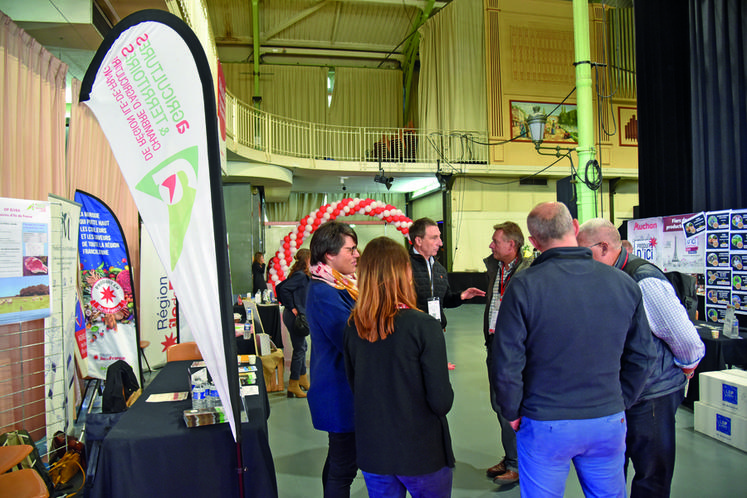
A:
256,43
585,108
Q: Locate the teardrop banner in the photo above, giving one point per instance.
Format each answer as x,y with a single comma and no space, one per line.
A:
106,285
151,90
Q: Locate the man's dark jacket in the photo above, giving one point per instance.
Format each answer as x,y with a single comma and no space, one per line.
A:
441,288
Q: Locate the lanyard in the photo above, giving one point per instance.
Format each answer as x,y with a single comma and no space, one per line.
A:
627,255
503,284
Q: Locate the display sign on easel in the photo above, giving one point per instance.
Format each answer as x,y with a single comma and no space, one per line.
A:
24,260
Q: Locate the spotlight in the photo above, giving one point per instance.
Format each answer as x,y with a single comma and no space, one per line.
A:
382,178
446,181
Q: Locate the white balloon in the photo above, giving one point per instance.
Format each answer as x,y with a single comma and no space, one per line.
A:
386,213
307,229
292,243
346,209
397,224
368,209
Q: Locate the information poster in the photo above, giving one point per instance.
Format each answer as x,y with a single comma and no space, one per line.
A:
59,327
665,243
24,259
738,260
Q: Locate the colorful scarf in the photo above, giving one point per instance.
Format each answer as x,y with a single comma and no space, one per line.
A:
323,271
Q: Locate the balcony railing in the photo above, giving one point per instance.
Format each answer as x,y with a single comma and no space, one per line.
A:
259,130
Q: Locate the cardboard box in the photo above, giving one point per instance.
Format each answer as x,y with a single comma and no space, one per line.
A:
721,425
725,390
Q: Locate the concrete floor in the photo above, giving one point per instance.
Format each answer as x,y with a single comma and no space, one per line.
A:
705,467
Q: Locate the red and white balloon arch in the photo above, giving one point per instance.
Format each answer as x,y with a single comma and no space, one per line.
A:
283,259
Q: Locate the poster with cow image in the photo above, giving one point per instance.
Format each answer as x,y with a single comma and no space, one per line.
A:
24,259
106,287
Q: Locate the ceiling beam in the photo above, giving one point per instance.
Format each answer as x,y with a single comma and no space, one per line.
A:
420,4
246,41
292,20
330,53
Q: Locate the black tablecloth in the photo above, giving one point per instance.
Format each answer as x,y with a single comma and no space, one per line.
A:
151,451
269,315
720,353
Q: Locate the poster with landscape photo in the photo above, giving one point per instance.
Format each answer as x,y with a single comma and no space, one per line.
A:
561,125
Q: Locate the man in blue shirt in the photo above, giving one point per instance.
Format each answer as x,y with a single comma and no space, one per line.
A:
650,440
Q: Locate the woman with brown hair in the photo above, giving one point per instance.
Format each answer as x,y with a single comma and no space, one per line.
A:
395,360
292,295
258,272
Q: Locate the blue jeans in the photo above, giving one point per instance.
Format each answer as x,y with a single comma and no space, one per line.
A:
434,485
651,444
508,436
341,466
595,446
298,358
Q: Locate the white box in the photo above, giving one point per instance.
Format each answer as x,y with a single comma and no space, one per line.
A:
725,390
724,426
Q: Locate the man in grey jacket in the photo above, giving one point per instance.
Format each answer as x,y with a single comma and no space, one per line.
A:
505,261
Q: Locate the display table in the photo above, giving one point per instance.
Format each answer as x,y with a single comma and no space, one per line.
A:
151,452
720,353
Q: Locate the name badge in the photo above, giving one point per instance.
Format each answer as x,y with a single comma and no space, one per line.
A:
434,308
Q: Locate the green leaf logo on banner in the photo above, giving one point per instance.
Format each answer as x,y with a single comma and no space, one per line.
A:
174,181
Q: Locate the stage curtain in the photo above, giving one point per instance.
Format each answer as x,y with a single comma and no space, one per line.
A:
665,159
719,103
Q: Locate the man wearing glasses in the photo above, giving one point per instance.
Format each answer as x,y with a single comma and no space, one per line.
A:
650,439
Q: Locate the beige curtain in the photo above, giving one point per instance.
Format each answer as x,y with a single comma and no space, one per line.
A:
296,92
32,165
452,91
93,169
32,116
366,97
296,207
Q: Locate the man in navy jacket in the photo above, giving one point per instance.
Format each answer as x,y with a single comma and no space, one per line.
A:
574,352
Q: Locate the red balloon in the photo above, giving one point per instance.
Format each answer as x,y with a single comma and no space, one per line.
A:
302,223
287,238
286,245
277,266
336,212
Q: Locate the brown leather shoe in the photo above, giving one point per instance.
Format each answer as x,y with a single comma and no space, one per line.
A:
497,470
508,477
